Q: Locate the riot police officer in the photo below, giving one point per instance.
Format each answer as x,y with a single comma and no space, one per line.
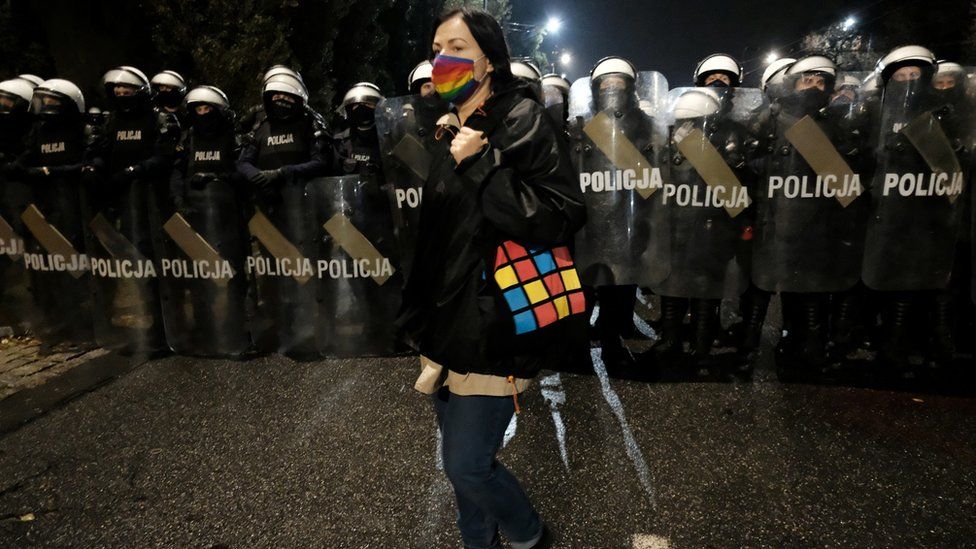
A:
771,82
169,89
911,238
138,141
211,134
708,259
57,144
284,152
613,272
206,316
359,142
808,248
15,120
529,73
555,94
54,159
718,70
126,170
288,142
419,83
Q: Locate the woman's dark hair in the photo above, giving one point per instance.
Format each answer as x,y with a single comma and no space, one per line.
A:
490,38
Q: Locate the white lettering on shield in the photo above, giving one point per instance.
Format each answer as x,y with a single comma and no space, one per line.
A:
933,184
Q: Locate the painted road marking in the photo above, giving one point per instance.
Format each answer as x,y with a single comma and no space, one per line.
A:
650,541
552,391
630,443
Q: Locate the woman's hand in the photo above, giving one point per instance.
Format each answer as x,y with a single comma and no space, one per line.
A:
467,143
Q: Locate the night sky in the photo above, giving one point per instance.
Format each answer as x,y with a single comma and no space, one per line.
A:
672,36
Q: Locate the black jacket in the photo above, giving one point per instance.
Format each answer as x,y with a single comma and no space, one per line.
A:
522,187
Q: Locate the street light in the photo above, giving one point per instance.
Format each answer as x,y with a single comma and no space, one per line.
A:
771,57
849,22
553,25
565,59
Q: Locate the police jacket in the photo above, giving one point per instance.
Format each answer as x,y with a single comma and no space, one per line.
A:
521,187
296,147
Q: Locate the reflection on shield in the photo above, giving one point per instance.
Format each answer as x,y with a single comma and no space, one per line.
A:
60,271
619,148
15,299
920,177
408,134
811,205
706,197
357,273
201,247
281,269
119,244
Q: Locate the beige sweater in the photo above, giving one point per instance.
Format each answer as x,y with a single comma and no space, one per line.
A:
433,376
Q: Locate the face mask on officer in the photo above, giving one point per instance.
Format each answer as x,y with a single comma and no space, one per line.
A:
168,97
125,98
361,116
206,119
283,107
615,94
844,96
905,86
51,108
811,92
718,80
946,89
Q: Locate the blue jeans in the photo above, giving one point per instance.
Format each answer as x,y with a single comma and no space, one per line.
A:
488,496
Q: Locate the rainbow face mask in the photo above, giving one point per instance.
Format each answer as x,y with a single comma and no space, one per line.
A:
453,78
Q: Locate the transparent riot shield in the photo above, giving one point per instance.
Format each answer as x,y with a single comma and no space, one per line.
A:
118,241
15,299
281,268
922,157
408,133
356,269
55,257
619,148
201,248
706,199
811,204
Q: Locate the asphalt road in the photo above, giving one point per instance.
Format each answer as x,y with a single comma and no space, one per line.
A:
184,452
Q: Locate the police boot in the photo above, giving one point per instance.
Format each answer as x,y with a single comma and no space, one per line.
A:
812,340
941,346
704,322
895,343
843,325
670,327
756,303
789,366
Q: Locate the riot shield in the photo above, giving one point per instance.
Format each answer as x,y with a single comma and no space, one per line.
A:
201,244
15,299
55,257
281,267
118,242
555,104
811,206
356,270
916,191
619,150
706,197
407,128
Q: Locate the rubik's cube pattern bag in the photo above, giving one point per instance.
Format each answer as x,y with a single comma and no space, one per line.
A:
540,285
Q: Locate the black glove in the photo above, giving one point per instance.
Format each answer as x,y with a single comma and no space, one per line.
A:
38,173
134,171
272,175
263,185
200,180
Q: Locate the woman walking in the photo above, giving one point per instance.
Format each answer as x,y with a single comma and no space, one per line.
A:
493,296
